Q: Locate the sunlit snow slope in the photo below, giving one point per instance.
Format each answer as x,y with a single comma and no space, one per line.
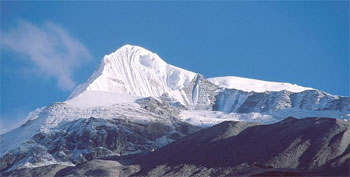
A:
135,71
253,85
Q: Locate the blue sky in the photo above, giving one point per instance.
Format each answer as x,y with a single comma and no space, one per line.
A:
61,44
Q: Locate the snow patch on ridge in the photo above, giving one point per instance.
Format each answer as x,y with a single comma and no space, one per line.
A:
253,85
99,98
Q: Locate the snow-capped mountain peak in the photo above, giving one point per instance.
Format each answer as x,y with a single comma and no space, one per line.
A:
135,71
110,105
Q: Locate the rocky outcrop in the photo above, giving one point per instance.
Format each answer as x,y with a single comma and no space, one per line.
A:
200,93
87,139
231,100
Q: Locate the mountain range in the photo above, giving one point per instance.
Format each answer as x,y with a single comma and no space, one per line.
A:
148,118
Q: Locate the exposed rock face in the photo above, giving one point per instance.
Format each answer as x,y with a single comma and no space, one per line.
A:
160,106
87,139
231,100
99,167
44,171
200,93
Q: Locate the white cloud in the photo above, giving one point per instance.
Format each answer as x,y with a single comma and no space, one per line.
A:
50,47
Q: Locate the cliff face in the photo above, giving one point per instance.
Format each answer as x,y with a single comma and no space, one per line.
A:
231,100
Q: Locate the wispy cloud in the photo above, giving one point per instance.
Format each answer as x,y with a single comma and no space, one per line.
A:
49,47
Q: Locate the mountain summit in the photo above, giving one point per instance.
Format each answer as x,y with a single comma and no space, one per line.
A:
139,72
135,71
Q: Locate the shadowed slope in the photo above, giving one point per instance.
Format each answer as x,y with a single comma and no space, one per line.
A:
318,145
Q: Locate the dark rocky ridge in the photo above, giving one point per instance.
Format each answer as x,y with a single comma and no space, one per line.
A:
311,145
